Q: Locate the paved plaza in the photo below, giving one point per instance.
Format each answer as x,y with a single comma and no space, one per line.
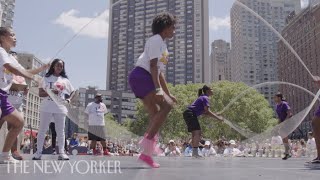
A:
180,168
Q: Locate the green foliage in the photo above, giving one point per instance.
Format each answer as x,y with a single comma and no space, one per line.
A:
116,130
251,111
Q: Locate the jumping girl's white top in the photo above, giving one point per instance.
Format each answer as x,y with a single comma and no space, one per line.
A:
155,48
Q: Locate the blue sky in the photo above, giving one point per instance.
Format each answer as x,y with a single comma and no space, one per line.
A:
43,27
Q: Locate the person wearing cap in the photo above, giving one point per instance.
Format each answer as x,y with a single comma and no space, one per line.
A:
284,112
96,131
172,149
232,150
199,107
208,150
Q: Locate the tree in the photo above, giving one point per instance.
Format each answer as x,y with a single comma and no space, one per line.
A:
251,111
117,131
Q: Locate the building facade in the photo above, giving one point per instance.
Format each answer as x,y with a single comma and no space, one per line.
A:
7,12
32,100
254,45
302,33
220,61
130,27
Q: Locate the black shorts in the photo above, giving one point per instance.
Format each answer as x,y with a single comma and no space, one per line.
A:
191,120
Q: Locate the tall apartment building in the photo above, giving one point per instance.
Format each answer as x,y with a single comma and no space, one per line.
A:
313,2
302,33
121,105
220,61
32,101
7,12
130,27
254,45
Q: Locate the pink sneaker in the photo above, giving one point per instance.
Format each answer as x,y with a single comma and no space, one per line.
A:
148,160
156,148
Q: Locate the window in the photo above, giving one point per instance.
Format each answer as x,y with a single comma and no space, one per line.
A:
91,96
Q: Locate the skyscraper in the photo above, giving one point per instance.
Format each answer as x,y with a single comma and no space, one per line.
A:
130,27
220,61
32,100
254,45
7,12
303,33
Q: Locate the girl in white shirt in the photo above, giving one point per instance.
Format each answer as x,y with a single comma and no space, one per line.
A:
56,81
148,83
8,68
16,96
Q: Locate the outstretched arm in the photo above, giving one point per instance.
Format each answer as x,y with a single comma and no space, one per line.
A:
38,70
18,71
208,112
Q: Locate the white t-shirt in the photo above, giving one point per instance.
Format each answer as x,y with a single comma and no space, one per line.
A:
175,152
155,47
16,97
6,77
96,113
311,144
208,152
64,88
231,151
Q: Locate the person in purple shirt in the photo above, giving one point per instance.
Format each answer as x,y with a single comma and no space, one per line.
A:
284,112
316,131
199,107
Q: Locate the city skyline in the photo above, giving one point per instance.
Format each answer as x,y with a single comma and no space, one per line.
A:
130,24
60,21
254,45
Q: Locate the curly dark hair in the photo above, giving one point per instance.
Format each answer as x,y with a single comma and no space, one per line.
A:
162,21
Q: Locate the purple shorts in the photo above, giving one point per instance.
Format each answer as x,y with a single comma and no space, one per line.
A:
141,82
318,112
6,107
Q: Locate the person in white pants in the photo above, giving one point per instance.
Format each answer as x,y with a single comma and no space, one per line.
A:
57,81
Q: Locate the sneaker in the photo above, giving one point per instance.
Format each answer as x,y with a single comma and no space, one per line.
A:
156,149
8,160
63,157
36,157
314,161
148,160
54,153
287,156
314,164
16,155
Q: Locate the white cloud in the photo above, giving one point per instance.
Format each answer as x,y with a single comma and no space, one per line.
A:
98,28
216,23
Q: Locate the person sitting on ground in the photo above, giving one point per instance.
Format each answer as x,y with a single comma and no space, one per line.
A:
208,150
188,150
172,149
231,150
74,142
